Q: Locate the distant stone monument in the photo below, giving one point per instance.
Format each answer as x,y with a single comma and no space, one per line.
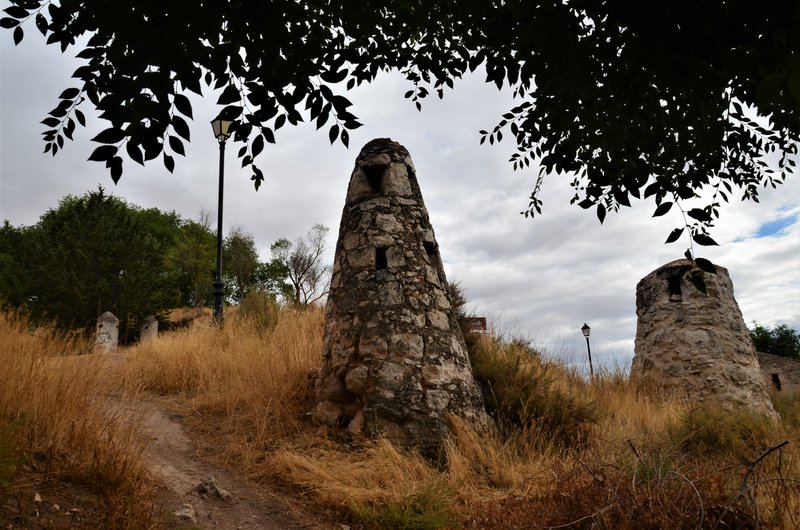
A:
149,329
107,332
695,345
394,359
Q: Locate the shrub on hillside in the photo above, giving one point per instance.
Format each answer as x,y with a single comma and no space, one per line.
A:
261,309
710,430
523,391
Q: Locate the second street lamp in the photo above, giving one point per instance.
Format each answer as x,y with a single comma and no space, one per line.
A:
586,330
222,132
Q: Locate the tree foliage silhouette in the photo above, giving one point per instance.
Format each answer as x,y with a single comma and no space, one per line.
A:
624,99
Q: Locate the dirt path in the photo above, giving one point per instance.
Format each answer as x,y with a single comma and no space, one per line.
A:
197,493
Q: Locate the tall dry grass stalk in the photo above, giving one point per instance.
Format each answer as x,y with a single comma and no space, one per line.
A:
57,425
250,383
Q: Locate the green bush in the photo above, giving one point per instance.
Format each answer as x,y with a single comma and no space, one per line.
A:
711,430
428,509
787,405
261,309
520,393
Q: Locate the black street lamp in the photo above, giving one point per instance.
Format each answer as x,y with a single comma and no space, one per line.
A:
222,132
586,330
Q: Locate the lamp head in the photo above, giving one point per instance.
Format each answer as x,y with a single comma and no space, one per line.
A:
586,330
222,128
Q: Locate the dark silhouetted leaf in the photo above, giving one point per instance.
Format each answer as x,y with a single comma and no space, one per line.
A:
258,145
51,122
81,118
345,138
699,214
69,127
674,235
70,93
688,254
134,152
663,208
41,23
8,22
705,265
181,127
176,145
109,136
231,112
704,240
183,105
116,169
601,213
333,133
229,95
16,11
622,198
169,162
322,119
334,77
18,35
269,136
103,153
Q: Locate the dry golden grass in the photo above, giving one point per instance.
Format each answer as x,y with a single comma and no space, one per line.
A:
247,384
568,453
57,427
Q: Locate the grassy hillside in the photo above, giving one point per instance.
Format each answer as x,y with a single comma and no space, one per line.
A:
565,452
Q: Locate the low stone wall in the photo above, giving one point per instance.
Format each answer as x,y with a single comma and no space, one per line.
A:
788,371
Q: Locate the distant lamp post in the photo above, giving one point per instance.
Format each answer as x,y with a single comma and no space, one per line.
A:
586,330
221,129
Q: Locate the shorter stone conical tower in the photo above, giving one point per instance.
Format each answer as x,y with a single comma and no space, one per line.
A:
394,359
696,345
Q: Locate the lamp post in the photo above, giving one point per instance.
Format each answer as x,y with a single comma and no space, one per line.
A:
222,132
586,330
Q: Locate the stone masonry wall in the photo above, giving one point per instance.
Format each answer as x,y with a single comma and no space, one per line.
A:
787,370
693,345
394,359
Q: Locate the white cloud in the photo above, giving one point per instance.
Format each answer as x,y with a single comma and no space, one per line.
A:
540,279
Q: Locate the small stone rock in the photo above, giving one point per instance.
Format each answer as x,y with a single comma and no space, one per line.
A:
211,487
37,498
187,512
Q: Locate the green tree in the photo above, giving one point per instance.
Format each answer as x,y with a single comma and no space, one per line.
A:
240,264
625,99
14,282
271,276
191,260
780,340
92,254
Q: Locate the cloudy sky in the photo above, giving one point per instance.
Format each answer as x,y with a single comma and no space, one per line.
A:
539,279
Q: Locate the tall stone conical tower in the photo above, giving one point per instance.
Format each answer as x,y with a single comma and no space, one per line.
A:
394,359
696,345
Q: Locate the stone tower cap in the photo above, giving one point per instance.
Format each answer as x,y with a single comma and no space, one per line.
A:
383,169
108,316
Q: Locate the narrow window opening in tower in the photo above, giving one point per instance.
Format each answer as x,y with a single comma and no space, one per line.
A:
381,262
374,176
430,248
675,294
